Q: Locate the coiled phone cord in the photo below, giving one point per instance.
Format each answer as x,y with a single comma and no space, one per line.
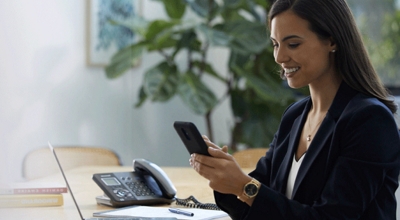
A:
192,202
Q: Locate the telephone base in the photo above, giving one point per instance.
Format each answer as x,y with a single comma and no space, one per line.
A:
104,200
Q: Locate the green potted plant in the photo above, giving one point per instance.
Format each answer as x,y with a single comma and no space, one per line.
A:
256,92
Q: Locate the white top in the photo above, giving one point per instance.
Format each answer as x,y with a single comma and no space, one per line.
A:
292,175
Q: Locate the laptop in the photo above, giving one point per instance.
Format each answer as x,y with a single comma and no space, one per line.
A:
76,204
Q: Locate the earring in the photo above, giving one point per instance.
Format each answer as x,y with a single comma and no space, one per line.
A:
333,51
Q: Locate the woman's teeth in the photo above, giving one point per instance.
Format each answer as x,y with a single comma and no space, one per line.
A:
291,70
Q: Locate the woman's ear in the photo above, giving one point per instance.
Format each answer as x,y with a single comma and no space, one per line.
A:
333,46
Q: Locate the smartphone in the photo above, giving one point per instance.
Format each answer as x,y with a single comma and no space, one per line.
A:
191,137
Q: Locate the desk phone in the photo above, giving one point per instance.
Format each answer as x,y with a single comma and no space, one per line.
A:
148,184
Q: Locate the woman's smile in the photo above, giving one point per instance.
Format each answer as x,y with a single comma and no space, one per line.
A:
289,72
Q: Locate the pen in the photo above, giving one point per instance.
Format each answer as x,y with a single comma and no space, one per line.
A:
178,211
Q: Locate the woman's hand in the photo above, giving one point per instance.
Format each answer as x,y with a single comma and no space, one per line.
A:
211,144
220,169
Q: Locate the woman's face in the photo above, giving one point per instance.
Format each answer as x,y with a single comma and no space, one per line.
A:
305,58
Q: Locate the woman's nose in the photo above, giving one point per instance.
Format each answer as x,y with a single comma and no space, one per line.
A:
280,55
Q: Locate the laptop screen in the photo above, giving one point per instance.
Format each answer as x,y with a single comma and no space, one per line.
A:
65,179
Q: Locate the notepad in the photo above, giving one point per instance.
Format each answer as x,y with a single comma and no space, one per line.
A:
148,211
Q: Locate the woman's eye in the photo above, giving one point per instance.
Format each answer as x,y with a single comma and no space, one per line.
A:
294,45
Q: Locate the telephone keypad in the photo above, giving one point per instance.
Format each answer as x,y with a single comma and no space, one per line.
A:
140,188
135,185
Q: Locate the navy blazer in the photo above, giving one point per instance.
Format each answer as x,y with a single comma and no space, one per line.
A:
350,170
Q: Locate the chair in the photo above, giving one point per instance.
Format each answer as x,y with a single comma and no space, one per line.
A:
248,158
40,162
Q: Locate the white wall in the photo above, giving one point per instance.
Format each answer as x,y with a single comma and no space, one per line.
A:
48,93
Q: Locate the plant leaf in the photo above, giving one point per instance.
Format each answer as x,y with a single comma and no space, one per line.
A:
133,51
232,3
208,69
160,35
253,9
197,96
238,104
162,40
161,81
266,88
262,3
124,60
202,7
238,59
142,97
256,120
157,27
256,131
247,37
138,25
214,36
189,40
175,8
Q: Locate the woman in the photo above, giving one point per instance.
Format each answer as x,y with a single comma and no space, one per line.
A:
336,153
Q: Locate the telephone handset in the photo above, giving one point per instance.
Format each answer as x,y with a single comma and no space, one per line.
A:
148,184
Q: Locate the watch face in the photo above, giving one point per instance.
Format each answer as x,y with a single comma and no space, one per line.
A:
251,189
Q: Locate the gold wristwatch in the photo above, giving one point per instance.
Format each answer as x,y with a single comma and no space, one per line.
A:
250,190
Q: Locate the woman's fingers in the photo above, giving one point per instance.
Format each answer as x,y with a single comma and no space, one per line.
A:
205,137
221,170
218,153
211,144
225,149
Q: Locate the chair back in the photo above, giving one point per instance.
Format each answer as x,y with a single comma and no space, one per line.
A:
40,162
248,158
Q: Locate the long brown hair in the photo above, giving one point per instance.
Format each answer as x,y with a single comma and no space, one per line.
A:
333,19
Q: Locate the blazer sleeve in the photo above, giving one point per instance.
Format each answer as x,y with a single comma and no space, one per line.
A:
367,167
233,206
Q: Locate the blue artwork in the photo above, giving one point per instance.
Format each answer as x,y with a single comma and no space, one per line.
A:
110,14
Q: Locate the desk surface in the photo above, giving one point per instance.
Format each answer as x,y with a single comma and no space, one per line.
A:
185,179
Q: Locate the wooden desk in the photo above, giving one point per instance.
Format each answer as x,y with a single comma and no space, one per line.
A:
185,179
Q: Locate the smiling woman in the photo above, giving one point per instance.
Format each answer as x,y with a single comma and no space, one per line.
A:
336,153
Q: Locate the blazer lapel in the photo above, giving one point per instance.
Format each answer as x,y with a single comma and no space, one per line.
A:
293,143
322,137
319,141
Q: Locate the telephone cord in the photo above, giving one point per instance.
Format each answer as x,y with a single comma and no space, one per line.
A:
192,202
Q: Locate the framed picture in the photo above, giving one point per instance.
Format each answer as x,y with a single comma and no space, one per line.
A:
108,28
